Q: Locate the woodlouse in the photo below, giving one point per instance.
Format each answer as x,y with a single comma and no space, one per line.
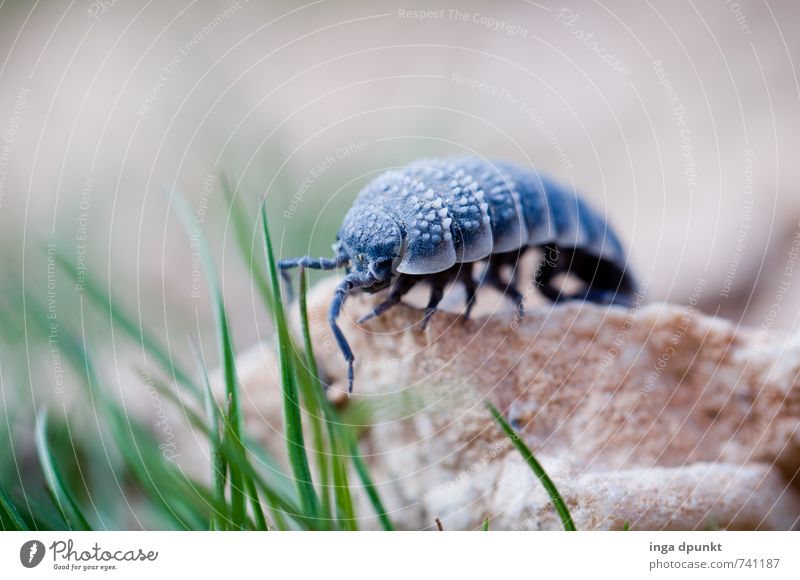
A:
434,218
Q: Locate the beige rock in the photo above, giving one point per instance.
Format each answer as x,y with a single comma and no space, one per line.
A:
658,416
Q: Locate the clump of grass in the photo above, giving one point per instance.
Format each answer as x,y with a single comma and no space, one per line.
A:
293,426
57,486
536,467
342,439
9,516
247,490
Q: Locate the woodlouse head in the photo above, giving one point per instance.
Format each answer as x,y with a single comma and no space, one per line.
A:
373,240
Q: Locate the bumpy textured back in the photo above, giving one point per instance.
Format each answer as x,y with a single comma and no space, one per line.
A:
464,209
465,202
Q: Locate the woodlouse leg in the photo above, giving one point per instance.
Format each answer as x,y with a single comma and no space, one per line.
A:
354,280
512,259
550,265
308,262
401,286
438,282
606,283
470,287
493,277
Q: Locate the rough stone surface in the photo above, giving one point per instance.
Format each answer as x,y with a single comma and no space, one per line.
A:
658,416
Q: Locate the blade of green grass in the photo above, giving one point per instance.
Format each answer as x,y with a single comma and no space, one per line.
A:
277,493
280,505
40,514
243,240
346,512
337,433
8,509
537,469
293,425
485,526
258,513
280,484
237,481
247,251
218,464
369,486
56,484
312,395
233,420
186,502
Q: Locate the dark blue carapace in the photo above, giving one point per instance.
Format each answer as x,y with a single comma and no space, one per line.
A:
433,219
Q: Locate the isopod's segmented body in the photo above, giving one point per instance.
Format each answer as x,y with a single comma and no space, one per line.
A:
434,218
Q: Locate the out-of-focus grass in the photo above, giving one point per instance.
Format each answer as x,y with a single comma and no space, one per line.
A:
109,472
9,515
246,490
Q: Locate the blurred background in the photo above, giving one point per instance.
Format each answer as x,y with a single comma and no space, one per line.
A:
677,119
